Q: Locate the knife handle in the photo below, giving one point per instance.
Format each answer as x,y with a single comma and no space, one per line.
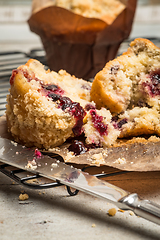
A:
142,208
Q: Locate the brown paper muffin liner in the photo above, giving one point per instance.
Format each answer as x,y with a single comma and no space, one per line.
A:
78,44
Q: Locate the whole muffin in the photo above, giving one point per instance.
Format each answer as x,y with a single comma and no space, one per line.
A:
81,36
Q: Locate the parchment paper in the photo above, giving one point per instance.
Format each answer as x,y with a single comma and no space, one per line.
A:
137,154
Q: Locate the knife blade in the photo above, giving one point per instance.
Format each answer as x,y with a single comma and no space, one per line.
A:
33,161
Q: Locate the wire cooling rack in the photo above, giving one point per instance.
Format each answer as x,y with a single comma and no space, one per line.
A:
9,61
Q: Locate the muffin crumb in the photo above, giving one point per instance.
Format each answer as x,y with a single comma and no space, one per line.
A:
23,197
112,212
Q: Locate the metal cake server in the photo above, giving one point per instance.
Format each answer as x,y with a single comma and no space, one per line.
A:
33,161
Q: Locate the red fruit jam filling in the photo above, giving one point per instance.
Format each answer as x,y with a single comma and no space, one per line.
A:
14,73
153,87
77,147
118,124
89,106
27,75
52,89
97,120
37,153
66,103
78,112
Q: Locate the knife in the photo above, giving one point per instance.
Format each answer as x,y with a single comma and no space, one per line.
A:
33,161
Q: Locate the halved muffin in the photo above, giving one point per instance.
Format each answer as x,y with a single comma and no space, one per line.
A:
129,86
46,108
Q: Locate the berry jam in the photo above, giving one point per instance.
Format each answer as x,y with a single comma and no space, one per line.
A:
37,153
65,102
89,106
54,96
77,147
55,93
97,120
52,88
118,125
14,73
121,122
153,87
27,75
78,112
